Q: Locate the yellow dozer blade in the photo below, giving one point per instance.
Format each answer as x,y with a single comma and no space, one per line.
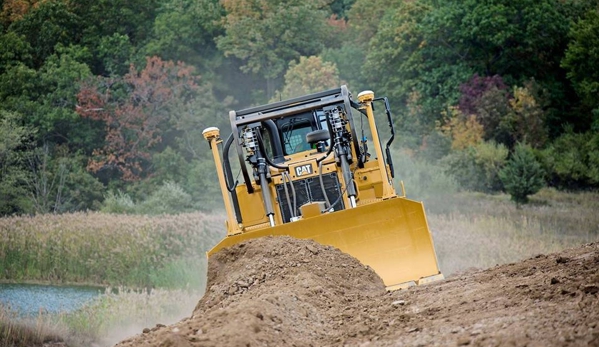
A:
390,236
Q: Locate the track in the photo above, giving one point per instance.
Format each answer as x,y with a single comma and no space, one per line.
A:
289,292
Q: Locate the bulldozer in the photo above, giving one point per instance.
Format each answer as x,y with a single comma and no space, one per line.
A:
313,167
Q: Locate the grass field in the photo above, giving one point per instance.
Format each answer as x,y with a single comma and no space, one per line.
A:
479,231
108,249
470,231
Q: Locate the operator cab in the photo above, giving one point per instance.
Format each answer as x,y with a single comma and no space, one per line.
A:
293,130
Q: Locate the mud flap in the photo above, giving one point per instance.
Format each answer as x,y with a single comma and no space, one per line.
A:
391,236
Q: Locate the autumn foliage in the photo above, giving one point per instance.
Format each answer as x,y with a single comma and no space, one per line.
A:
13,10
135,109
464,131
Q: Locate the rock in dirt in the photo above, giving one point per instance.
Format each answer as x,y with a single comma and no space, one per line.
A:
264,293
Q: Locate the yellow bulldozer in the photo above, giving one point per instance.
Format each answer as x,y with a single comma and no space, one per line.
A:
307,171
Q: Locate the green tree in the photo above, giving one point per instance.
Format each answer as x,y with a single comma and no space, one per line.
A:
477,168
433,47
58,183
170,198
522,175
349,59
402,62
349,53
364,17
15,143
133,18
58,82
310,75
46,25
14,50
114,31
115,52
340,8
185,30
267,34
528,117
581,61
48,97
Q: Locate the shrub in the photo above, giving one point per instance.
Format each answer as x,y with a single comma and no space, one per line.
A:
170,199
491,157
572,160
477,168
461,165
118,202
523,175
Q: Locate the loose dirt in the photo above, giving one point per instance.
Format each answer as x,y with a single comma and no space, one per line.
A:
287,292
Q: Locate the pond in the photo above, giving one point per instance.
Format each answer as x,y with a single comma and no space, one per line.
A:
29,299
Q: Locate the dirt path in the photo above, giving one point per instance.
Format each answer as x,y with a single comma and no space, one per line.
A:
288,292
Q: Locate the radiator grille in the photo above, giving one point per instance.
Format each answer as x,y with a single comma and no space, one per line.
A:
308,190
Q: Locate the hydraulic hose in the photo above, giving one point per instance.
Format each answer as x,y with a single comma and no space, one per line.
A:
227,165
324,192
291,208
265,156
292,192
229,178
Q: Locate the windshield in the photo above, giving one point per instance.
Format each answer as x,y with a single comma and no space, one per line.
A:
294,135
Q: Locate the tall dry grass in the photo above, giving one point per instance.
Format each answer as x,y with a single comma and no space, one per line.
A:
99,248
17,331
121,313
479,231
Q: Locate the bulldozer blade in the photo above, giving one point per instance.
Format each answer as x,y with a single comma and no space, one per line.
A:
390,236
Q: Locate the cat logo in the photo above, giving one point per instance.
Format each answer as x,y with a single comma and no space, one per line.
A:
303,170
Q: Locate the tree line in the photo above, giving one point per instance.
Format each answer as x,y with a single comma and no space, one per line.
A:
102,103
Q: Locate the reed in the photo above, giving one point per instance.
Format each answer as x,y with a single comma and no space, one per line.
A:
17,331
110,249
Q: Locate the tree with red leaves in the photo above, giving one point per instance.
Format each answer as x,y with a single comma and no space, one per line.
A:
136,110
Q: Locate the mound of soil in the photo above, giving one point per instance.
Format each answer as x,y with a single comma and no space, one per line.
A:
280,291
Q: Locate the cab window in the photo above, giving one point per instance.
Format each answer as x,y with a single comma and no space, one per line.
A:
294,135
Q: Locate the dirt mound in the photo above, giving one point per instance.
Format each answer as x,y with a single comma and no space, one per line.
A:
283,291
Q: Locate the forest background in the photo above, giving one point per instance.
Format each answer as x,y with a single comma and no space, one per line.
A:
102,103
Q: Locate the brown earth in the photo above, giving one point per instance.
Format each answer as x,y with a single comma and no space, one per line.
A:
288,292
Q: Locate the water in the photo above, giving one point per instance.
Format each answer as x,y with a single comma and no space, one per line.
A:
29,299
